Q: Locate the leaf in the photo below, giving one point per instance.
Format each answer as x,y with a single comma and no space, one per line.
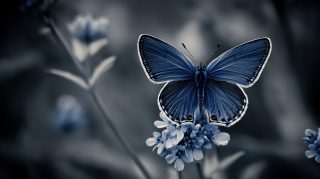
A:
94,47
44,31
100,69
228,161
220,166
80,50
253,171
69,76
172,174
211,165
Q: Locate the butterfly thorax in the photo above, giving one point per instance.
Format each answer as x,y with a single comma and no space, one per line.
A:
200,80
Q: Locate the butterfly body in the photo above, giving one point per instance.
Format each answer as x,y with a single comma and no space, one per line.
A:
215,90
200,80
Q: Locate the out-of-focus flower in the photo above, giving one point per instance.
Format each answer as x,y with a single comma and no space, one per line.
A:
68,114
313,140
89,35
28,3
87,29
184,143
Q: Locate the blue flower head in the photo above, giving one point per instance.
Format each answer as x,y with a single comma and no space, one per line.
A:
68,115
27,4
88,29
184,143
313,140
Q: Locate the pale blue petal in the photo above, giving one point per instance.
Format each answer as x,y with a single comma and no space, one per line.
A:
179,165
189,155
156,134
207,146
163,116
161,124
180,135
171,158
222,138
312,147
160,149
309,132
150,142
310,153
197,154
169,143
317,158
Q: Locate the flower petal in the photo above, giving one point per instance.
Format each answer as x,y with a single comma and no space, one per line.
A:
317,158
156,134
312,147
197,154
150,142
207,146
179,165
180,135
222,138
189,155
171,158
309,132
169,143
310,153
161,124
160,149
164,117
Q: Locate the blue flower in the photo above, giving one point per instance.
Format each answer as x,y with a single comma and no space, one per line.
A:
311,136
178,156
68,114
87,29
183,143
313,140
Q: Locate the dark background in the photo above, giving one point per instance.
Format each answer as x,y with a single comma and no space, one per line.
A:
283,103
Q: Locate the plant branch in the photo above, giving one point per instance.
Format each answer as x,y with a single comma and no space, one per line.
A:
200,172
94,95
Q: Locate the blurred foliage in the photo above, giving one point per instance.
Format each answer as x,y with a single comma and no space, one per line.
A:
284,102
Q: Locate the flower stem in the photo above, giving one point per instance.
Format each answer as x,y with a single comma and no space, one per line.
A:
200,172
180,175
95,97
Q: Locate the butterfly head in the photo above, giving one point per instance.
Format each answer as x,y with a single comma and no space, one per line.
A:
201,67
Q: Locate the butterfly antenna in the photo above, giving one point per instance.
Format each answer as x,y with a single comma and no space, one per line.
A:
184,46
219,44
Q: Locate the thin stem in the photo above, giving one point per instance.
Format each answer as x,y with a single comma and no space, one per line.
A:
95,97
200,172
180,175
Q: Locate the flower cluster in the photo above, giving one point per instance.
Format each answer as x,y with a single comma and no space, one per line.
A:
184,143
313,140
87,29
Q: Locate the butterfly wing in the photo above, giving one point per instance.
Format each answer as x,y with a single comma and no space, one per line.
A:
225,103
178,99
162,62
242,64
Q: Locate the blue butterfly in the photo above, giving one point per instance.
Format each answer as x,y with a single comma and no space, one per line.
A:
215,90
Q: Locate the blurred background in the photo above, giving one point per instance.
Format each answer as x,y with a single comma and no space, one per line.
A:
36,143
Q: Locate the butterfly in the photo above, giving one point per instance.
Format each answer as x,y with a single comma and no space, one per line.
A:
215,90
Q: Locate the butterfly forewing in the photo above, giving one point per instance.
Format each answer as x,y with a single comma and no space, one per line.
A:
162,62
242,64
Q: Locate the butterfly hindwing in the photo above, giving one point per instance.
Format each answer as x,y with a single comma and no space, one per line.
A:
242,64
224,103
178,99
162,62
